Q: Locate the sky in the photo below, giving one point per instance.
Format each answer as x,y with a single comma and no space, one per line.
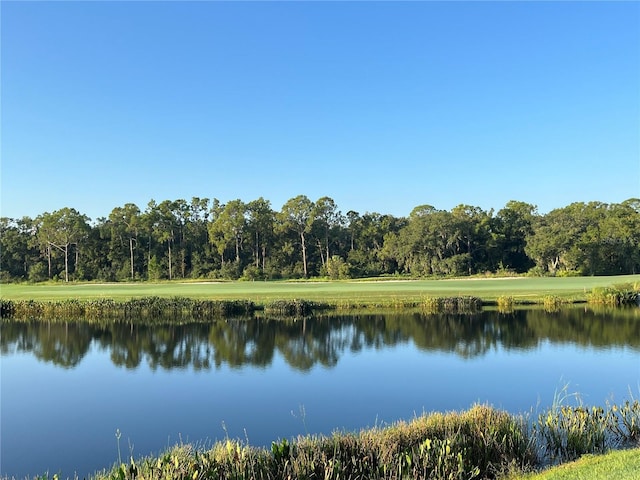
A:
381,106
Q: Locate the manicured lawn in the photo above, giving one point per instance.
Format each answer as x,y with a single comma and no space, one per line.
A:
618,465
368,292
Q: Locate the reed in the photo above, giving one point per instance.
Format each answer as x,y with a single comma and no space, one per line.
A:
566,432
147,308
505,304
293,308
552,303
569,432
624,423
616,295
435,305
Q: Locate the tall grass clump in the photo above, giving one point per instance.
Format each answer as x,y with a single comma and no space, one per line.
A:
433,305
625,423
566,432
552,303
505,304
292,308
146,308
616,295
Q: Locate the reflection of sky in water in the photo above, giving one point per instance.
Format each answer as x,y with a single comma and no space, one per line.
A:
59,419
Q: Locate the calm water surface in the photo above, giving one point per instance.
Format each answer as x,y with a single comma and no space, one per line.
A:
68,387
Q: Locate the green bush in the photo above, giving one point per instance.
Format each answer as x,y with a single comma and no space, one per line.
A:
616,295
336,268
552,303
433,305
505,304
252,273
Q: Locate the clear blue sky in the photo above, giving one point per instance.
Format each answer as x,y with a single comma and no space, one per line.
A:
382,106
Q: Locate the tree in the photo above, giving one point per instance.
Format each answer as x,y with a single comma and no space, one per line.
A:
261,219
197,238
148,220
61,230
355,226
427,242
126,222
474,230
17,254
161,223
228,228
327,218
372,235
102,257
565,238
621,237
235,223
513,224
181,212
165,229
297,215
199,252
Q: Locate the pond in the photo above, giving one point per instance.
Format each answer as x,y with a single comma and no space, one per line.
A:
68,389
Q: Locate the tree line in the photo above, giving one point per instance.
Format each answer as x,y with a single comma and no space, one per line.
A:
207,239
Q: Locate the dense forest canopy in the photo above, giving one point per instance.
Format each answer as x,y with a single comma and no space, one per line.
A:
204,238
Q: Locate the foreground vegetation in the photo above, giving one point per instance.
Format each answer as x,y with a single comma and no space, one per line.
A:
480,443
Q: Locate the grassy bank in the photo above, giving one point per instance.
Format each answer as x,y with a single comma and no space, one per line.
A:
379,293
618,465
179,309
202,301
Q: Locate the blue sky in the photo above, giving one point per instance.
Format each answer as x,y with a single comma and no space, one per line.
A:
382,106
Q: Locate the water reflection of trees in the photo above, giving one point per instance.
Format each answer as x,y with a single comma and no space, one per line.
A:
316,341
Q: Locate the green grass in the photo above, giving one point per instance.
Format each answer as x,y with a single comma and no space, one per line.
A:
380,293
618,465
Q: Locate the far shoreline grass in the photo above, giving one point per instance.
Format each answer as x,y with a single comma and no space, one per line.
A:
379,292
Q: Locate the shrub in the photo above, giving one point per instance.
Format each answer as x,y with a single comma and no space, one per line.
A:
336,268
552,303
505,304
292,308
432,305
251,273
616,295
